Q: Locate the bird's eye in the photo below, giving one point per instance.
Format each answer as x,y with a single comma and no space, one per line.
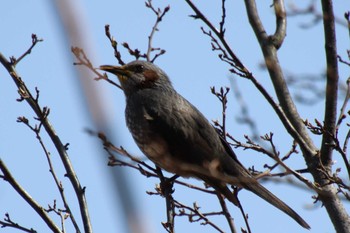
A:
139,68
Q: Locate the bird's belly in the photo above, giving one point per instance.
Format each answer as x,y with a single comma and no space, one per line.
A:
153,145
156,149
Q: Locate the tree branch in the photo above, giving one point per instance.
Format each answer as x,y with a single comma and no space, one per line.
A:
271,60
60,147
227,214
332,83
160,14
25,195
281,23
199,15
9,223
335,209
58,183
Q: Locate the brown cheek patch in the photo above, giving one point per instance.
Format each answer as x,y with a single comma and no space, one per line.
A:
150,76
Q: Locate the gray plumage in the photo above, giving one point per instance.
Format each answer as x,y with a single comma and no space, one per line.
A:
178,138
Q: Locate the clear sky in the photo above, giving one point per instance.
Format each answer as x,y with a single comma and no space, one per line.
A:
193,69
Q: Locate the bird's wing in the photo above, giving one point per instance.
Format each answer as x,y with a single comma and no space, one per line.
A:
188,134
193,140
190,138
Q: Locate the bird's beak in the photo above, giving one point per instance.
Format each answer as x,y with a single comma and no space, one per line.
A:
120,71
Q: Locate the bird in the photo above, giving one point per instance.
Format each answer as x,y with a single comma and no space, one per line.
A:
178,138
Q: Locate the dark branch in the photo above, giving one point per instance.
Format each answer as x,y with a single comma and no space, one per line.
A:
84,61
7,176
60,147
160,14
332,83
114,45
35,40
58,183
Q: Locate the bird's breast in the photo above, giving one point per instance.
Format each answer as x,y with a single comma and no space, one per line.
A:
138,122
151,142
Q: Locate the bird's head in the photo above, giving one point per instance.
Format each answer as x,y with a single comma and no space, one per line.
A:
139,75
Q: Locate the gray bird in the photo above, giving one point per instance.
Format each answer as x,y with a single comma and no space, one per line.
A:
176,136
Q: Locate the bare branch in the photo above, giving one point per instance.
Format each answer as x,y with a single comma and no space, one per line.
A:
244,117
199,15
287,111
160,14
7,176
281,23
342,152
58,183
227,214
60,147
35,40
286,103
196,215
342,114
311,9
8,222
343,61
223,17
166,184
332,82
114,45
83,60
222,96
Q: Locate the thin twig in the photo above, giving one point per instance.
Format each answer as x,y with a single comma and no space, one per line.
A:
342,114
284,119
9,223
226,213
61,213
200,15
242,71
311,9
196,213
222,96
244,117
7,176
346,141
35,40
165,189
83,60
160,14
58,183
245,216
60,147
152,172
341,60
342,151
114,45
289,153
223,17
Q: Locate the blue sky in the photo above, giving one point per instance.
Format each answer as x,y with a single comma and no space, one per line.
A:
193,69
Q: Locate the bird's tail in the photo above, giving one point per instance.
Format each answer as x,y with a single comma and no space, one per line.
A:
265,194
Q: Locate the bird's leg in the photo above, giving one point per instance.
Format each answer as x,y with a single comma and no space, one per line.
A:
166,187
173,178
166,184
